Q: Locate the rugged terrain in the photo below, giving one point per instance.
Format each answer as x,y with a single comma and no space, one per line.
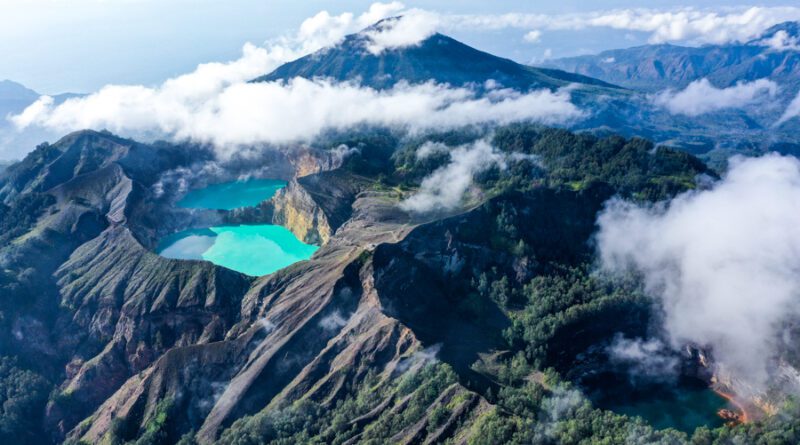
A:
474,324
401,327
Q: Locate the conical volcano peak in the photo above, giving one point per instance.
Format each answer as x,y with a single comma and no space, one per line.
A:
407,49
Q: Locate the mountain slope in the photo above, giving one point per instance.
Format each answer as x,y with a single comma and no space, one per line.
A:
438,58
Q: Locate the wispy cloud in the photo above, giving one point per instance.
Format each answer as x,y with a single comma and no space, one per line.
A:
444,189
792,111
645,360
688,24
696,25
533,36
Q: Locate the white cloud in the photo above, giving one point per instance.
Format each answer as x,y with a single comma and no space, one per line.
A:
444,189
533,36
673,25
215,104
560,404
417,360
31,112
724,262
244,114
705,26
380,11
429,148
410,29
702,97
266,325
334,321
689,24
645,359
792,111
324,29
782,41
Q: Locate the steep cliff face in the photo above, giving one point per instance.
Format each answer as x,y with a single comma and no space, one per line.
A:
315,202
296,210
307,161
316,206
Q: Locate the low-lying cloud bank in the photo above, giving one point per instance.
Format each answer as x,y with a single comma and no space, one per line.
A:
724,262
244,114
701,97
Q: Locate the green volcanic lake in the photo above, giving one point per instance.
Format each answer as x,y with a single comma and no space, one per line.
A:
682,408
684,404
232,195
251,249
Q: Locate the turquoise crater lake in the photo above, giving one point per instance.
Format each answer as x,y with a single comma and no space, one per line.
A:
251,249
232,195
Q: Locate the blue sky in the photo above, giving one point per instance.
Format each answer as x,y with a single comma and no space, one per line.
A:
80,45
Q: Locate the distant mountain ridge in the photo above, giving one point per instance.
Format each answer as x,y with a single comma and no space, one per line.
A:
14,98
657,67
13,93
